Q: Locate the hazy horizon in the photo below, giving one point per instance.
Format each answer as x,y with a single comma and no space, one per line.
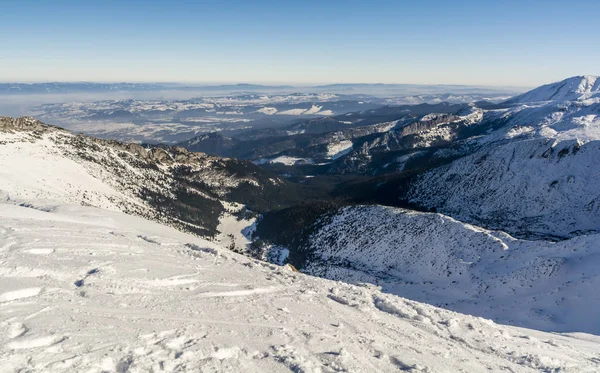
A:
201,84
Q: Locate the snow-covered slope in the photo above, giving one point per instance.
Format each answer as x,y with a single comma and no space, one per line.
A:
170,185
89,290
435,259
536,173
571,89
338,149
35,168
530,187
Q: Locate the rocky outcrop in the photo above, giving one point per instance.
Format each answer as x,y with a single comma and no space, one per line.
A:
428,122
10,124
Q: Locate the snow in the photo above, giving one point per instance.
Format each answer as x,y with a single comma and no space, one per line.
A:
338,149
446,97
313,110
267,110
277,255
286,160
436,259
48,175
233,231
289,161
292,112
563,121
174,303
87,289
19,294
571,89
532,176
471,115
529,185
58,166
325,113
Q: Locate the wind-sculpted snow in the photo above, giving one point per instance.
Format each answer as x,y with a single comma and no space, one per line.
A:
435,259
89,290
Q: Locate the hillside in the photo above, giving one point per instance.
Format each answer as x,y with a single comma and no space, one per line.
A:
435,259
193,192
514,239
85,289
533,176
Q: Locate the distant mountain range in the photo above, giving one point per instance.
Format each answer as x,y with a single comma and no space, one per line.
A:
376,89
92,87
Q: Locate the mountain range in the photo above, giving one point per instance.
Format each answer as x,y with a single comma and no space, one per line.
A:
490,209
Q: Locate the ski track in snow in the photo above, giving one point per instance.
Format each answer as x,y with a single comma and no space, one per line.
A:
142,306
239,293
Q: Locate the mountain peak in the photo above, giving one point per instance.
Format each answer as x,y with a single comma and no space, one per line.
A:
570,89
584,83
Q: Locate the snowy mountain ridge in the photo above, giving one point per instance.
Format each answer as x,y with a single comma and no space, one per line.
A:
571,89
527,169
170,185
435,259
534,174
76,272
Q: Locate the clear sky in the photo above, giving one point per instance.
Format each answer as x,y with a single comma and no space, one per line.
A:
483,42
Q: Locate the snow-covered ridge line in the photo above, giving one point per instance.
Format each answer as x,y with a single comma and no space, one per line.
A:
533,173
10,124
528,185
160,156
44,162
571,89
435,259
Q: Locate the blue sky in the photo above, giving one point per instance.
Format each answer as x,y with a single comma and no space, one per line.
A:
523,43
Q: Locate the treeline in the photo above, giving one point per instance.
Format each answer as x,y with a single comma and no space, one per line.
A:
291,227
